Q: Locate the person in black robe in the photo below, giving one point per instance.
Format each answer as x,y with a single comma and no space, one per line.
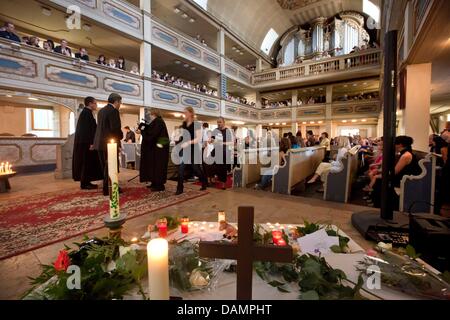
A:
223,145
109,128
85,163
154,152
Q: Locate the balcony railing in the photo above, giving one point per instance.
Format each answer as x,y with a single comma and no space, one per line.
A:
171,40
358,107
118,14
176,98
238,72
241,111
34,69
368,58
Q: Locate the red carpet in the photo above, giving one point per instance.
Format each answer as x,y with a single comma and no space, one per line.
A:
36,221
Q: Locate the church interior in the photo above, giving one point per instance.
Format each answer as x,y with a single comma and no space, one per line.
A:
322,128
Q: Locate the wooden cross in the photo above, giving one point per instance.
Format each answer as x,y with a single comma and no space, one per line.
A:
245,252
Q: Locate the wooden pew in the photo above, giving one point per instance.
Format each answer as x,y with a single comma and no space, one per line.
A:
338,185
300,164
249,169
417,193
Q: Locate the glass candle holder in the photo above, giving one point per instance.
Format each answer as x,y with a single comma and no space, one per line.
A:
185,225
277,236
162,227
281,242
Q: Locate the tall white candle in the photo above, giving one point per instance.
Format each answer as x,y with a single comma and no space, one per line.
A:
113,172
221,216
158,269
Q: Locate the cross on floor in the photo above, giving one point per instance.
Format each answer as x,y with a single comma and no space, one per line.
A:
245,251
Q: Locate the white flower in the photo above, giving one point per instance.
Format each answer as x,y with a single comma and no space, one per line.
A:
124,250
111,266
199,278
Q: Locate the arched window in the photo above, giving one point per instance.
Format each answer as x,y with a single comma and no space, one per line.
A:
71,123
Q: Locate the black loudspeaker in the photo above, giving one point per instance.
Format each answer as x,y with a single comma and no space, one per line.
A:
430,236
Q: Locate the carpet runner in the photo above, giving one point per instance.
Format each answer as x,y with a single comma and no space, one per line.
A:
39,220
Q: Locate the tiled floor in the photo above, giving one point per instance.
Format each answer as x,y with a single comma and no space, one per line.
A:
268,207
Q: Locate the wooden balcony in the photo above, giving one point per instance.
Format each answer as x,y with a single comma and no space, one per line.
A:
238,73
31,69
239,111
169,97
173,41
118,14
366,63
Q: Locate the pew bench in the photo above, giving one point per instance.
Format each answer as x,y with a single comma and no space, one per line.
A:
338,184
299,165
249,167
417,193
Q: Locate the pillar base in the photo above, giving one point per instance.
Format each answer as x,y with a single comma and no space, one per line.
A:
115,225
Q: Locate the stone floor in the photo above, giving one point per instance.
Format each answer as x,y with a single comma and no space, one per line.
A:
268,208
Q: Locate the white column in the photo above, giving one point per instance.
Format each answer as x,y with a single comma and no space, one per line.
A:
294,125
259,65
416,115
146,51
328,108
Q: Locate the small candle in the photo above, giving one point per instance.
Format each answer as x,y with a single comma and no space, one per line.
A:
221,216
162,227
268,224
202,229
204,223
272,227
195,225
185,225
113,173
134,240
277,225
158,269
211,226
290,227
281,242
276,236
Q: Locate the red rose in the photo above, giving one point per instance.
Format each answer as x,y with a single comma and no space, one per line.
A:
62,262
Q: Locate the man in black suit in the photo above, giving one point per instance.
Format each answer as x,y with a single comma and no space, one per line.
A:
82,54
64,49
9,33
108,128
85,162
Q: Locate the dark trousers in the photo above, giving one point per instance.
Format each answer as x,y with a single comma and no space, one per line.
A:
103,157
197,168
222,172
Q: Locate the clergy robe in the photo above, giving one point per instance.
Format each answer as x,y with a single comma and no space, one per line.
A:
85,162
154,159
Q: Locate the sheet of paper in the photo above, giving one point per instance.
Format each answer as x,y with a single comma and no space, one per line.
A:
317,242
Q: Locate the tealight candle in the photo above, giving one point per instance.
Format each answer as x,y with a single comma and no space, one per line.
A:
202,229
272,227
204,223
185,225
195,225
277,225
134,240
281,242
268,224
221,216
158,269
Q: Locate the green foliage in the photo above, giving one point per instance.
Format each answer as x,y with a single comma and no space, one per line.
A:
411,252
92,257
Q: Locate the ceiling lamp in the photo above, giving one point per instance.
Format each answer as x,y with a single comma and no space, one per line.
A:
312,122
186,65
364,120
9,96
33,99
193,68
184,15
176,10
46,11
270,124
344,121
177,62
353,120
191,20
86,27
177,115
303,122
277,124
241,53
238,122
284,123
320,122
233,48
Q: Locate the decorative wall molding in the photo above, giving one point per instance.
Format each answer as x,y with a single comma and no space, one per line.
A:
121,14
18,66
61,75
121,87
